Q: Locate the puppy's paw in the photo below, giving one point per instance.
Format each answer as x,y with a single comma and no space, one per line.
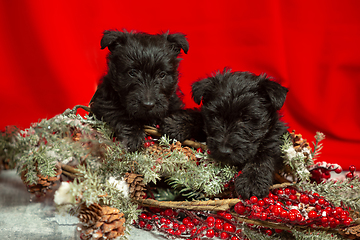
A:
247,187
173,128
135,142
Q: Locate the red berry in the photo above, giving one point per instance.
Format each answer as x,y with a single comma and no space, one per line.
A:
182,227
186,220
208,152
239,208
229,227
199,150
149,227
254,199
292,216
162,220
234,238
195,221
293,197
348,221
338,170
228,216
293,191
269,232
219,226
312,214
168,212
143,215
224,235
263,216
177,233
277,210
318,207
210,219
324,219
210,233
321,201
190,225
349,175
280,192
147,144
283,214
352,168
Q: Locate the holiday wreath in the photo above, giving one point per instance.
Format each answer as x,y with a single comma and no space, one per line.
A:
176,188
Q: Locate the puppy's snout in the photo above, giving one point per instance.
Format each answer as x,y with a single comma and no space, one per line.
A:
225,150
149,104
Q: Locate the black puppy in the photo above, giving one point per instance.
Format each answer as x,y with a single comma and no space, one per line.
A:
240,113
140,87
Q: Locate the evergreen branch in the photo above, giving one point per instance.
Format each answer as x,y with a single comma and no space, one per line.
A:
317,145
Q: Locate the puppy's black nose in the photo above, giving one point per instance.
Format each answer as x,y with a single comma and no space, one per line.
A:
225,150
149,104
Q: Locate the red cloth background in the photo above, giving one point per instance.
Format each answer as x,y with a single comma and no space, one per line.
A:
50,57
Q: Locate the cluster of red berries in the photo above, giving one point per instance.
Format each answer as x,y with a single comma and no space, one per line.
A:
290,206
193,226
351,173
149,141
321,171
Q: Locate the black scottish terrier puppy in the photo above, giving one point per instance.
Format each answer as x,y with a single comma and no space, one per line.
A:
241,121
140,87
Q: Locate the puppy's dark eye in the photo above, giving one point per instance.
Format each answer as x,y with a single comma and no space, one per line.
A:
132,73
245,118
162,75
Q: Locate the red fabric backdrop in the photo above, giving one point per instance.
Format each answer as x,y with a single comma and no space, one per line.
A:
51,60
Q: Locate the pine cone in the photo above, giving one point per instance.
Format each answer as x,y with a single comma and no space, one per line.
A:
44,183
186,150
159,151
351,232
298,142
136,185
100,222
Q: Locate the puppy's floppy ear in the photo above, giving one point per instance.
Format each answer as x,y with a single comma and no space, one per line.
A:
200,89
178,41
275,91
112,38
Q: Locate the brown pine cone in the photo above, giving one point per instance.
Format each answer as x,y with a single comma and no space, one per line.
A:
299,142
136,185
100,222
351,232
186,150
44,183
159,151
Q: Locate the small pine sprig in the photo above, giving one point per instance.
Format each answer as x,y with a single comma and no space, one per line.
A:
317,145
314,235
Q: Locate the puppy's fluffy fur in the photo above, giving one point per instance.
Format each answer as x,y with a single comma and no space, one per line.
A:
241,121
140,87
